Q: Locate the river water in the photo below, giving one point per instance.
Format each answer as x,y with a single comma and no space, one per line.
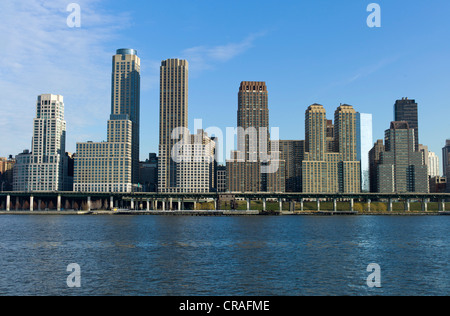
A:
224,256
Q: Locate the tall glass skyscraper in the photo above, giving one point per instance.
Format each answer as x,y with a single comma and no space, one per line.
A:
364,139
113,166
125,97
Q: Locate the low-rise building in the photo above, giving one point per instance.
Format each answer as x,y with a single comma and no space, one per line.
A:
6,173
106,166
438,184
148,174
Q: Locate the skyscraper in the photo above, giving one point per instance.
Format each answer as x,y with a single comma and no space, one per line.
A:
374,161
445,156
173,114
401,167
44,168
253,112
315,130
446,162
246,170
406,110
349,169
317,176
125,98
331,172
364,139
113,166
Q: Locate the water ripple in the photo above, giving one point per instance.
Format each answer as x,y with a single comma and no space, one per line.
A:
224,256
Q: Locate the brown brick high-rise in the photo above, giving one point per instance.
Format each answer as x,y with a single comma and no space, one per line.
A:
244,171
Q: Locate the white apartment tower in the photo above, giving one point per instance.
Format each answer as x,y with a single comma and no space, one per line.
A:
43,168
433,165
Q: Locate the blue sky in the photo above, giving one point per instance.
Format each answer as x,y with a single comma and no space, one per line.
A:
309,51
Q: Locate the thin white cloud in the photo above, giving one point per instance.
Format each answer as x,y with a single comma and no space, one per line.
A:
370,69
41,54
359,74
205,57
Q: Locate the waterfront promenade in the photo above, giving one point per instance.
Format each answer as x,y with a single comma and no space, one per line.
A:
207,204
125,212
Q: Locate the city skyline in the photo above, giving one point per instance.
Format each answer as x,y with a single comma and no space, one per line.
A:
367,82
238,149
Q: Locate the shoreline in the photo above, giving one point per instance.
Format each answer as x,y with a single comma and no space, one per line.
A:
219,213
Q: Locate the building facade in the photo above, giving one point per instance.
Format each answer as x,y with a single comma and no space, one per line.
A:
364,138
424,150
222,179
113,166
446,162
106,166
331,147
195,164
292,153
346,142
406,110
433,165
374,161
45,167
438,184
148,173
256,165
125,97
401,167
69,172
173,115
186,162
331,172
6,173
